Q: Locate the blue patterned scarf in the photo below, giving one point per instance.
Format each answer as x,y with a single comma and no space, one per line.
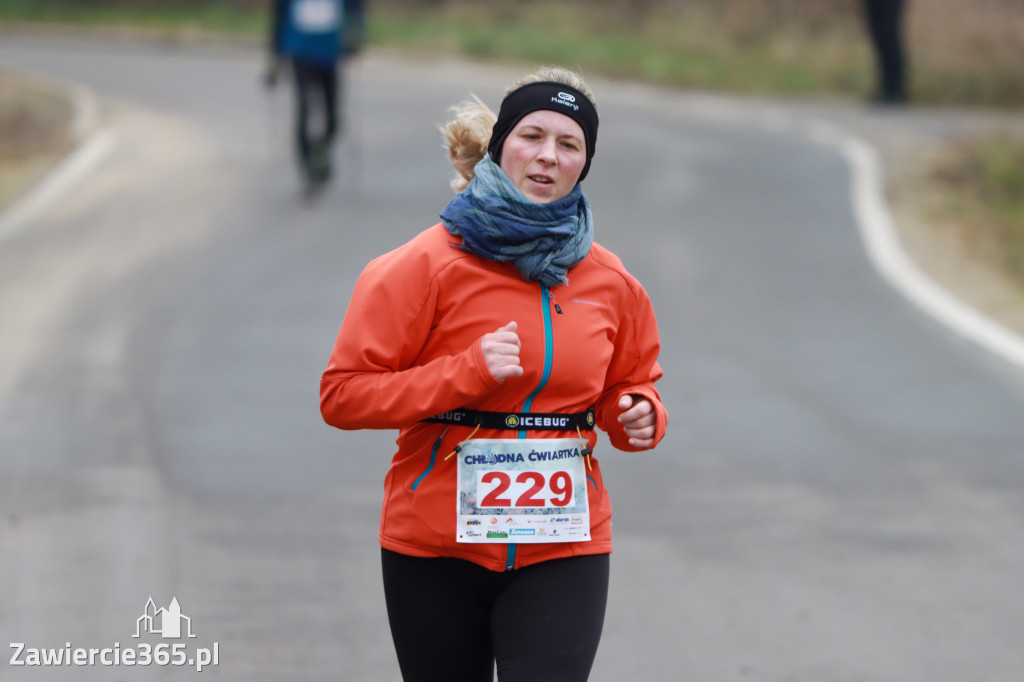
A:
497,221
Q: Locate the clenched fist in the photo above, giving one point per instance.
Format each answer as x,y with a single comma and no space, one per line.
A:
638,420
501,351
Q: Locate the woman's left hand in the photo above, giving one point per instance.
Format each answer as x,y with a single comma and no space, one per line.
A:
638,420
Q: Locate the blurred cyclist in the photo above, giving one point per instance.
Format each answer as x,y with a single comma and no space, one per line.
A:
314,36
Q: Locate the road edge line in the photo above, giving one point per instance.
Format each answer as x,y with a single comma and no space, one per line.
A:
891,260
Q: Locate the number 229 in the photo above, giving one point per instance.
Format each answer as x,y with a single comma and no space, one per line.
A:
532,487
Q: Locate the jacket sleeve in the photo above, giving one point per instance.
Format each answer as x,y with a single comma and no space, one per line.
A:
374,378
633,370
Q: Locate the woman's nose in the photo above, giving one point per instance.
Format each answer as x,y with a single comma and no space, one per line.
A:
548,151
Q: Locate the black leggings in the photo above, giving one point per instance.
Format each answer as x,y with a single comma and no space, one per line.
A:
316,89
884,18
451,620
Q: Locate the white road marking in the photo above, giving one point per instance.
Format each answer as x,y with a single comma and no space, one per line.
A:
890,259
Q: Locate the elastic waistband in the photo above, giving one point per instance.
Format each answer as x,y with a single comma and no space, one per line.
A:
517,421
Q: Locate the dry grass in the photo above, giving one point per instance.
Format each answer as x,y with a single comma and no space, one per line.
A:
34,132
968,51
964,52
978,186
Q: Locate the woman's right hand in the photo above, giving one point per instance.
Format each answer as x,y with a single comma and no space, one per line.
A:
501,352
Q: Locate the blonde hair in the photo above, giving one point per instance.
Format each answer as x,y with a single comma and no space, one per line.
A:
468,129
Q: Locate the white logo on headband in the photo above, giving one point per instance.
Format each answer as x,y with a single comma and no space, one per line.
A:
567,100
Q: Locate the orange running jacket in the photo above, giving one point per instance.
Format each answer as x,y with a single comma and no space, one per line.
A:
409,349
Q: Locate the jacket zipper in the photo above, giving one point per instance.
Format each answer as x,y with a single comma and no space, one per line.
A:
549,345
433,457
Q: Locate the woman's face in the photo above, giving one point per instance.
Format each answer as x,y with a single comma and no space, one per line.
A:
544,155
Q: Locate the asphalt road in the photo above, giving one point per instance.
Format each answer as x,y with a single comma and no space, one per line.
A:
838,498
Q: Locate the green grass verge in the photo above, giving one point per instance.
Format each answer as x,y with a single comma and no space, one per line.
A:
210,16
659,48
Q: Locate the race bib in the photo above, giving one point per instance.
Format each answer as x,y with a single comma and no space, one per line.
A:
316,16
522,490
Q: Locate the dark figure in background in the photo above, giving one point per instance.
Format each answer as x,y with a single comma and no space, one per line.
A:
884,23
314,36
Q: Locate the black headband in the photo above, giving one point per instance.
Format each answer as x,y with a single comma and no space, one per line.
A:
552,97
